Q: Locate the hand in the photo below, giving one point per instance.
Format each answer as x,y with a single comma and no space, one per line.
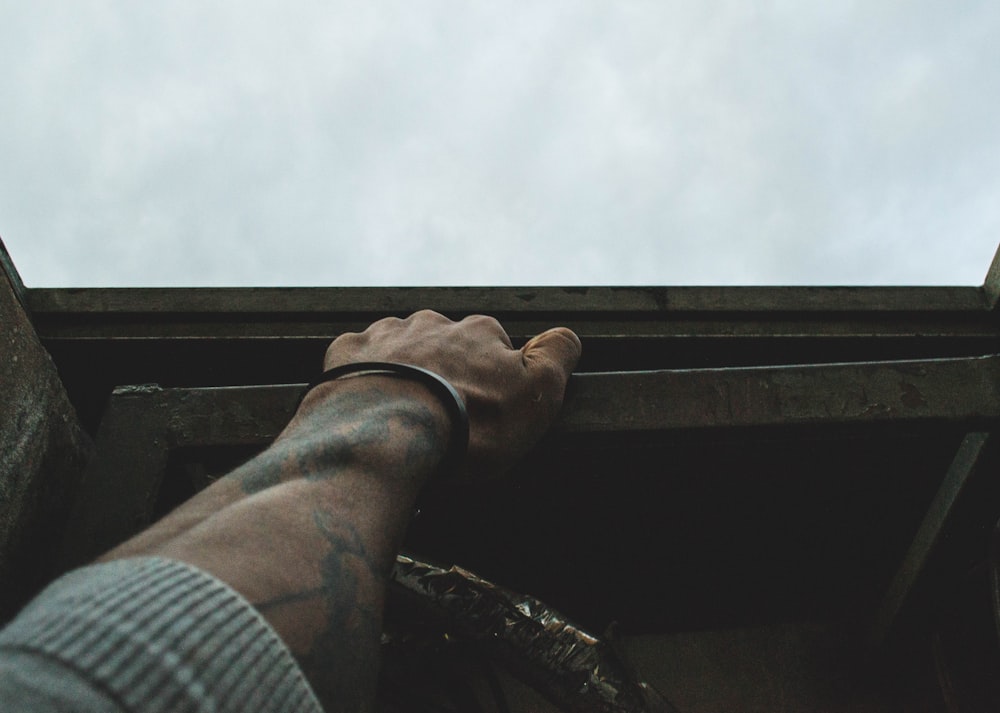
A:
512,395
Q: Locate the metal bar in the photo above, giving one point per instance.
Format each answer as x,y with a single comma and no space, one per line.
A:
304,301
955,390
143,423
936,389
961,471
87,326
211,314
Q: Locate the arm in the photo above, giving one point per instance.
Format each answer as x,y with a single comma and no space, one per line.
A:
308,530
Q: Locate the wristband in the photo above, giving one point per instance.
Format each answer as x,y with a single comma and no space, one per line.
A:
458,441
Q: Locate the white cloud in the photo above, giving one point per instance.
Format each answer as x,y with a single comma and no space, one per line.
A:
399,143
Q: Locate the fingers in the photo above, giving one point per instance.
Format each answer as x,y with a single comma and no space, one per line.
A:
512,395
430,337
557,349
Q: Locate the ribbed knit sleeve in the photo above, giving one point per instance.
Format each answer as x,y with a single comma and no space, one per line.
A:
154,635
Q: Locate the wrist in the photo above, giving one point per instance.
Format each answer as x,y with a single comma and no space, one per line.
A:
379,424
442,389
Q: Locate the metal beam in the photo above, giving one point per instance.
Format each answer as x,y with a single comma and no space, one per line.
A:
213,313
142,424
936,389
955,390
304,301
961,472
146,327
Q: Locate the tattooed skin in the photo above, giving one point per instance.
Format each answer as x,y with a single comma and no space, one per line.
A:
343,427
332,444
350,642
344,655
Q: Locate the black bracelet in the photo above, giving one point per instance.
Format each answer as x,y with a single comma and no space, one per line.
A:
458,441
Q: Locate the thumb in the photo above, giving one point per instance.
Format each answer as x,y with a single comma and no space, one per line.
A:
558,348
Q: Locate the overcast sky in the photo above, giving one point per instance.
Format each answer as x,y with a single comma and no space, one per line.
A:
418,143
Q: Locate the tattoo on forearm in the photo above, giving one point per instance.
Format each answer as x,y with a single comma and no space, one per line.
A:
334,439
342,663
336,436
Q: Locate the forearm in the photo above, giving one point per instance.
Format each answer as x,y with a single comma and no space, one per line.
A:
385,428
308,530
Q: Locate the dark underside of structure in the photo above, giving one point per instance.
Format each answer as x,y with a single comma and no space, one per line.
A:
777,498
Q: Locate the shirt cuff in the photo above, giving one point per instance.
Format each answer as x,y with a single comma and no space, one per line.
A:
159,635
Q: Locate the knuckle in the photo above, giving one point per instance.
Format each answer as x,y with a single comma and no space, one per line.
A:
483,321
387,323
344,343
428,315
479,319
344,338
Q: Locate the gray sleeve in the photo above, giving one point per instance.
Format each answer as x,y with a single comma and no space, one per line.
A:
146,634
